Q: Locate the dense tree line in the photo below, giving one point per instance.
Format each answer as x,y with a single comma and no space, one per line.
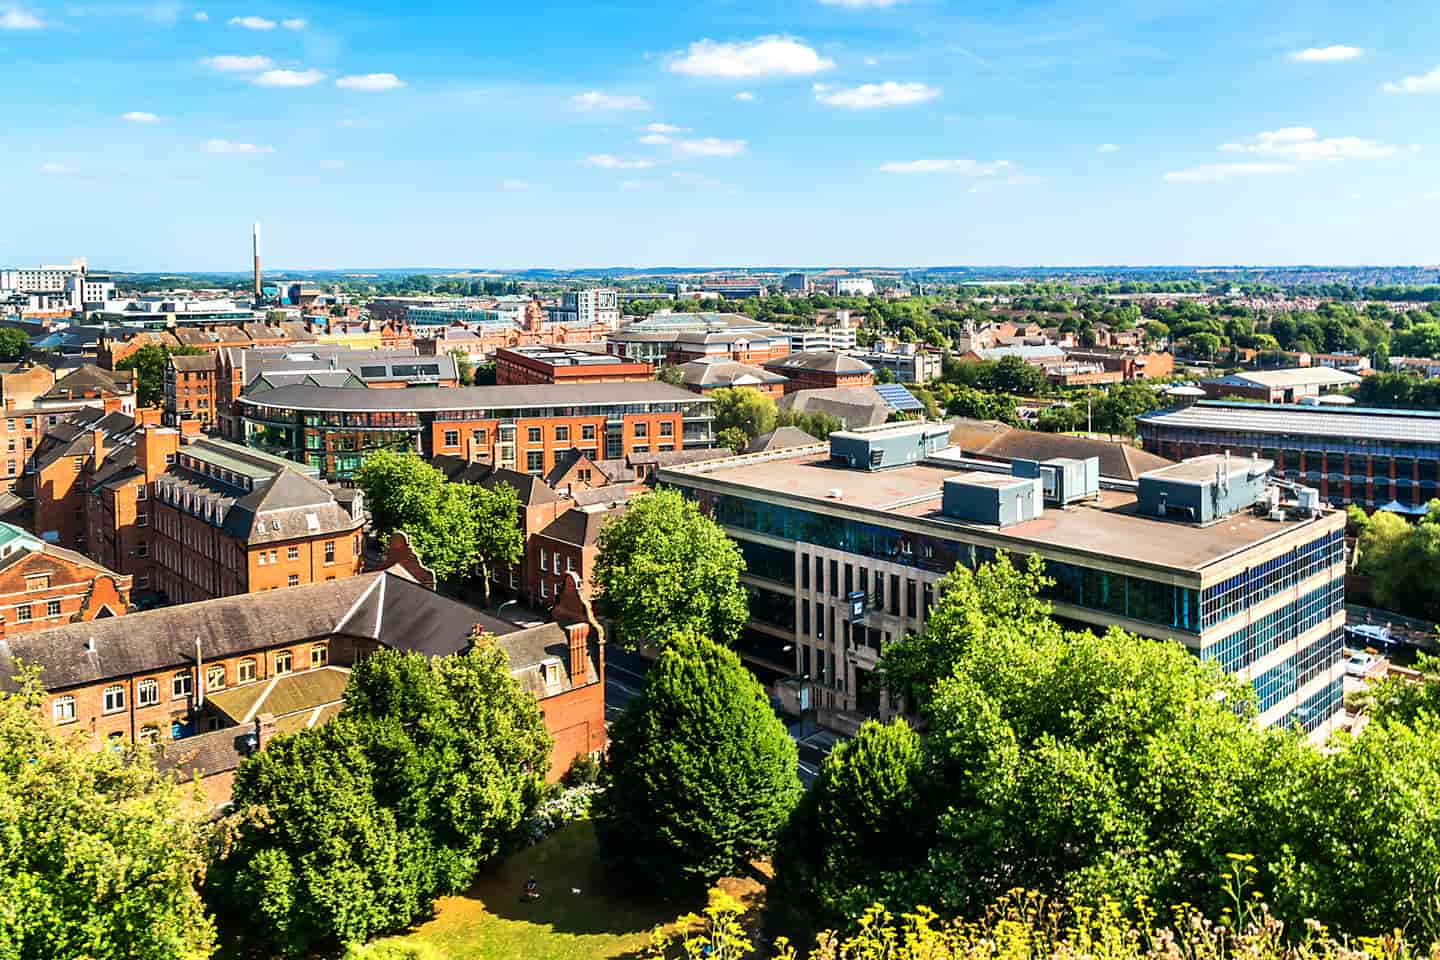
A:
1103,769
1401,559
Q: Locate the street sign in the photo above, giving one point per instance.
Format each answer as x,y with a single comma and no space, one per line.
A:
856,600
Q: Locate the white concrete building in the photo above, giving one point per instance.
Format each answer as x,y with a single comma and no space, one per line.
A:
596,305
854,286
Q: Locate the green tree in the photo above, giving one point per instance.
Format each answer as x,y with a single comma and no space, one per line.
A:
1014,375
857,833
13,344
352,828
98,858
671,374
700,774
464,367
744,409
149,365
400,489
664,567
499,540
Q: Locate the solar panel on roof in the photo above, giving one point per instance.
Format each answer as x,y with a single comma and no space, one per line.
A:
897,397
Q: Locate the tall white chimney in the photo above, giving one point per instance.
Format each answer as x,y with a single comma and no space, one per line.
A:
259,292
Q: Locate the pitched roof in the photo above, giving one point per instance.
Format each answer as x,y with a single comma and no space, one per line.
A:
725,373
190,362
852,406
781,438
580,528
91,379
532,491
996,441
823,360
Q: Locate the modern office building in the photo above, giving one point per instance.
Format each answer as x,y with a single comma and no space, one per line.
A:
593,307
543,364
906,362
523,428
1380,459
846,543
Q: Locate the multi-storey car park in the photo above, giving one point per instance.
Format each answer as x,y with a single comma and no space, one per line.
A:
1382,459
845,544
524,428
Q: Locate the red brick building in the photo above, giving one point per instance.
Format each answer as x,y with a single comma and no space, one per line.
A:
42,585
821,370
200,680
21,384
191,389
543,364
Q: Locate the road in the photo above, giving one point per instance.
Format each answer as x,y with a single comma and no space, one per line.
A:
625,676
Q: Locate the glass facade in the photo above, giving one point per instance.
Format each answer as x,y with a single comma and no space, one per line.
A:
1242,591
770,563
1256,640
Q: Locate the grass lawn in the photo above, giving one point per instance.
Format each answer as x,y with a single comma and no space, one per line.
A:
492,922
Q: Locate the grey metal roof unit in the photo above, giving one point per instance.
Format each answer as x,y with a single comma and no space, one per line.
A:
890,445
1066,480
1204,489
992,498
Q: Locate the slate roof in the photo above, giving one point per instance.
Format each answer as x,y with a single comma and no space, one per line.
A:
822,360
725,373
91,379
194,362
579,528
854,406
995,441
781,438
532,491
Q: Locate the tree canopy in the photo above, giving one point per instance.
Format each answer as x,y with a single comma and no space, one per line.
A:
454,527
666,568
741,415
1400,559
700,774
149,365
352,828
13,344
99,857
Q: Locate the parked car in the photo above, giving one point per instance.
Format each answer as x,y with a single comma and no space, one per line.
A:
1359,665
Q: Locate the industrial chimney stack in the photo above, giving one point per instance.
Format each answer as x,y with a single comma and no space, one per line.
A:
259,292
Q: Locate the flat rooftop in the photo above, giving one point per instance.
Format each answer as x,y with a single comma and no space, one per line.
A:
1108,528
299,397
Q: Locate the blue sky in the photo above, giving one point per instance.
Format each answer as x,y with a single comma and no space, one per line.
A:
149,135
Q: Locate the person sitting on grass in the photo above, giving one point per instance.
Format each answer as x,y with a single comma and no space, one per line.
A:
532,889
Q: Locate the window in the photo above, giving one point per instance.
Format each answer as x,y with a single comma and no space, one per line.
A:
292,553
910,602
452,438
52,608
329,551
293,580
214,677
834,578
142,519
562,434
114,698
534,434
319,655
22,613
535,462
41,582
245,672
556,557
542,558
180,685
804,571
642,429
142,549
587,431
149,733
140,493
147,693
282,662
63,710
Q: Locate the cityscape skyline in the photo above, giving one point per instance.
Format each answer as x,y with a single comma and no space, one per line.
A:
871,131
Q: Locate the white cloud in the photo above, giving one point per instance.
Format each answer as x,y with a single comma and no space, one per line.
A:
56,169
1108,148
744,96
252,23
1215,172
600,100
230,146
1302,143
371,82
140,116
662,128
228,64
710,147
861,4
200,16
1329,54
768,56
654,140
514,185
611,162
295,23
1423,83
869,96
288,78
967,168
15,18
